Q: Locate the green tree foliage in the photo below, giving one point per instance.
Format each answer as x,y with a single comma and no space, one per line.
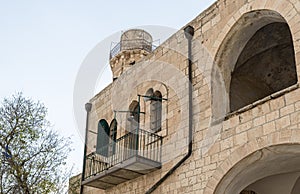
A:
33,155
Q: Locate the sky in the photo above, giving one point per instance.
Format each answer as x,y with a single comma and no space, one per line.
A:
44,43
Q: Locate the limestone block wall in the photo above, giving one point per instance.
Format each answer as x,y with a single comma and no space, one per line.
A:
170,78
221,139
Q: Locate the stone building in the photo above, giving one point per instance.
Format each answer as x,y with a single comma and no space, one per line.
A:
215,109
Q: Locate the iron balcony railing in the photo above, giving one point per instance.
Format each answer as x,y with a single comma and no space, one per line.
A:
131,45
138,143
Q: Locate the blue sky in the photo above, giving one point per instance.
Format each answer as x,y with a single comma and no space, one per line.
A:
43,44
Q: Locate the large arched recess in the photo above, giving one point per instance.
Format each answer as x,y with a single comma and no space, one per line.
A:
268,170
255,60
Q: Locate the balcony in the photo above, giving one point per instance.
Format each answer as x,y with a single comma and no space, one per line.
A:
132,155
141,44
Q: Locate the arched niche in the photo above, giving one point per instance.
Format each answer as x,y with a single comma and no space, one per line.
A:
255,60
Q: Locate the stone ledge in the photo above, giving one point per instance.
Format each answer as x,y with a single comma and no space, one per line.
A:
259,102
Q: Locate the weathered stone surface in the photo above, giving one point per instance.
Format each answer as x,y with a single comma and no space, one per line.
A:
254,41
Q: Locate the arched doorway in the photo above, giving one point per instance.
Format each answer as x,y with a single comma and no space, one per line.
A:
273,169
276,184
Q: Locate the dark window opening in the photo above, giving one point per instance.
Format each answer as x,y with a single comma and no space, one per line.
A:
103,138
113,136
133,116
156,112
266,65
132,124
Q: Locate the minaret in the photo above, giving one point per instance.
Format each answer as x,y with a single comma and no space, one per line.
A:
134,45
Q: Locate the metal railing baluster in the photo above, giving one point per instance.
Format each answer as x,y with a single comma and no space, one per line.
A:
149,146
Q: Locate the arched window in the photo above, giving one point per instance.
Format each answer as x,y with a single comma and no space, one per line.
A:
133,115
132,124
102,138
156,112
113,135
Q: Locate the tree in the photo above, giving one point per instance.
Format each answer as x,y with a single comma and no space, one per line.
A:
74,184
33,154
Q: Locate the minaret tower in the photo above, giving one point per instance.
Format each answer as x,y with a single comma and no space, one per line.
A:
134,45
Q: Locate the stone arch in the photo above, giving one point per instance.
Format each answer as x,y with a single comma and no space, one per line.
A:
277,184
296,187
133,116
231,54
251,163
156,110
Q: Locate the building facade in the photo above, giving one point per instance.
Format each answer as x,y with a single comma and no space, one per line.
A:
213,110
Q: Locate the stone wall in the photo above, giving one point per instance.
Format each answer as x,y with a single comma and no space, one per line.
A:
221,139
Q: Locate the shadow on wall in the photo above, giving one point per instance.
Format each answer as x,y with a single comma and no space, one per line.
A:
255,60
